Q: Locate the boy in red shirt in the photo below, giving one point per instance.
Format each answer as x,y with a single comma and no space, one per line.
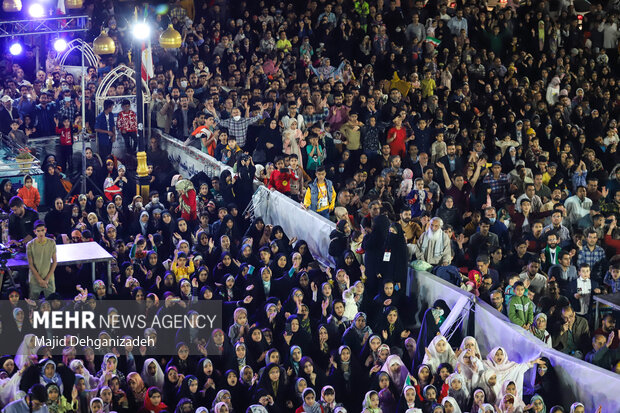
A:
66,144
127,124
280,179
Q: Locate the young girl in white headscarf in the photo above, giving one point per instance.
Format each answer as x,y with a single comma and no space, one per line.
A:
439,351
453,404
498,362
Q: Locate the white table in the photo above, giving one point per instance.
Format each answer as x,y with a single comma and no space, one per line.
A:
71,254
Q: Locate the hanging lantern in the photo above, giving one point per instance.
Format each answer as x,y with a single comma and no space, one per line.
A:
74,4
12,6
170,39
104,44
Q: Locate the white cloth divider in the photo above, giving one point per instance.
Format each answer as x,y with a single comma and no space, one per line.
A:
189,160
278,209
578,380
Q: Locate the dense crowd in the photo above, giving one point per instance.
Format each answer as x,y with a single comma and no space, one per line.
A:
478,143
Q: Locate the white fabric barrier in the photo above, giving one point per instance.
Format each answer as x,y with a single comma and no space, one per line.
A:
578,380
189,160
278,209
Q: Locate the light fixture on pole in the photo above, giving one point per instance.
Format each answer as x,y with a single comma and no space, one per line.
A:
36,10
60,45
12,6
104,44
16,48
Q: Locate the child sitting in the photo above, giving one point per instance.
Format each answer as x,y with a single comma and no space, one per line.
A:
29,194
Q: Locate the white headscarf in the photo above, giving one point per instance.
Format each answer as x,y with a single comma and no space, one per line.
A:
436,358
25,351
157,380
453,402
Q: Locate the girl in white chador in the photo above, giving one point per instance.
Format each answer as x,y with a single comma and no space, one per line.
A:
498,362
438,352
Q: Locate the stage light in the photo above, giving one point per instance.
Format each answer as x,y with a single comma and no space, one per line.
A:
60,45
16,49
141,31
36,10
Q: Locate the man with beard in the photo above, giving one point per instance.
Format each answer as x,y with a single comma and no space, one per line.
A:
434,245
411,229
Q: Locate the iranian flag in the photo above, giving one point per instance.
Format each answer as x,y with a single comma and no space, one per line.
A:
148,70
433,40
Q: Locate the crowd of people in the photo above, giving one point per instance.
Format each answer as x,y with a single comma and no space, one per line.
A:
477,143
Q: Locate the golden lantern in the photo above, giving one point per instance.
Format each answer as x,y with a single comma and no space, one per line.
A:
104,44
74,4
170,39
12,5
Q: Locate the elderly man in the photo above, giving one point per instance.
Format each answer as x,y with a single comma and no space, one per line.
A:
434,245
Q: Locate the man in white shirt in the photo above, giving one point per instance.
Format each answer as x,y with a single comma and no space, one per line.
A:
577,206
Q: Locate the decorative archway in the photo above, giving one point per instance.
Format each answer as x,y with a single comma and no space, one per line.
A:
108,81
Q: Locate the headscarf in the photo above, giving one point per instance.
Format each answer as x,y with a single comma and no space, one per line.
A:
295,364
366,403
538,333
504,366
452,401
487,408
574,406
537,397
400,379
255,408
415,395
16,311
75,363
22,357
105,360
144,225
361,331
149,405
476,348
138,379
436,358
462,394
55,377
316,407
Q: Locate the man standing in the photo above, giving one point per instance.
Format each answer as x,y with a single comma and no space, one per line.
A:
238,126
434,245
593,255
577,206
42,262
106,132
320,195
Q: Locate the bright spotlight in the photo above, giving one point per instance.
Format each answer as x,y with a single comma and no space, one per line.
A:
16,49
60,45
36,11
141,31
